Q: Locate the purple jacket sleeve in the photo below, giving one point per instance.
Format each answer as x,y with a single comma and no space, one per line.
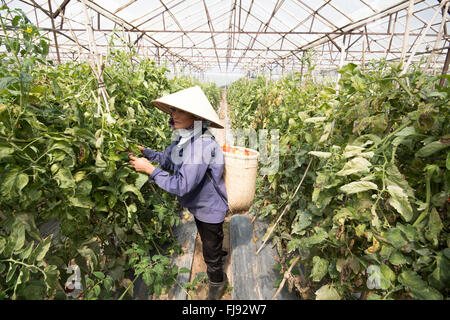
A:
162,157
189,176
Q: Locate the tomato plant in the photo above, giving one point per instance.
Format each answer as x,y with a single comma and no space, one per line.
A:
371,217
61,165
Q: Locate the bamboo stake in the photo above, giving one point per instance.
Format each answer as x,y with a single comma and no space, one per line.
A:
363,55
421,38
445,68
341,63
97,59
285,208
438,40
406,37
54,32
285,277
73,35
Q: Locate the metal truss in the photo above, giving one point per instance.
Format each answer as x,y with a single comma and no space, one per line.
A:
249,36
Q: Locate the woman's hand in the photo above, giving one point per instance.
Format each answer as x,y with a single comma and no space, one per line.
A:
141,164
141,148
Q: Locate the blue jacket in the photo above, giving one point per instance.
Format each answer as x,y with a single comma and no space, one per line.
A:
189,181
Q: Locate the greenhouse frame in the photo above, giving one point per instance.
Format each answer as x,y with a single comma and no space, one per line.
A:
248,36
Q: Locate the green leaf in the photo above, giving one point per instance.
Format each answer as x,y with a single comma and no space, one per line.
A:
327,292
374,296
358,186
320,154
388,277
64,178
419,288
399,200
45,47
434,227
355,165
315,119
34,290
141,180
160,133
12,270
395,237
431,148
22,181
398,259
303,221
351,151
99,162
81,202
52,277
8,185
84,187
89,254
440,277
27,251
320,268
5,150
5,82
394,177
406,132
43,247
130,188
318,237
18,236
100,275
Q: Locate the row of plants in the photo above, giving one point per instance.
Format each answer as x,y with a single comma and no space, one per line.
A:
63,162
370,219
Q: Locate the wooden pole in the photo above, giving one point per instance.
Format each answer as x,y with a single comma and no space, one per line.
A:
413,53
97,60
363,55
438,40
406,37
54,32
445,69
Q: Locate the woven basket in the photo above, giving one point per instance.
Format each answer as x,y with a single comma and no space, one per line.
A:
240,178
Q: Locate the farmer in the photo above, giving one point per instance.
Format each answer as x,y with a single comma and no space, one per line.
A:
197,163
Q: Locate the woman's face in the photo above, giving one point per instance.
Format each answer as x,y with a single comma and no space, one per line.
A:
182,120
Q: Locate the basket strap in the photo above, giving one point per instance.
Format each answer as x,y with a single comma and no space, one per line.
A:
218,190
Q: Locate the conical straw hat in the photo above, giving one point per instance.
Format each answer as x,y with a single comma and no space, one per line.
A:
191,100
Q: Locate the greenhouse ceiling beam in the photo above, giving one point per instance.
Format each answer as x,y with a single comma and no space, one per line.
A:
126,5
316,12
60,9
179,25
114,18
211,29
266,26
156,15
54,32
190,25
231,35
283,33
356,25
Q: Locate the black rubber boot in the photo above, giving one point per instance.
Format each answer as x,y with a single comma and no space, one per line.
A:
217,289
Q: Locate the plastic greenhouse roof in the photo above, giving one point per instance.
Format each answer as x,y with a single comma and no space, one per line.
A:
247,36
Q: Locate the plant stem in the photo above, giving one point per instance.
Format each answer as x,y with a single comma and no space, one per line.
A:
403,126
287,206
129,286
425,212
